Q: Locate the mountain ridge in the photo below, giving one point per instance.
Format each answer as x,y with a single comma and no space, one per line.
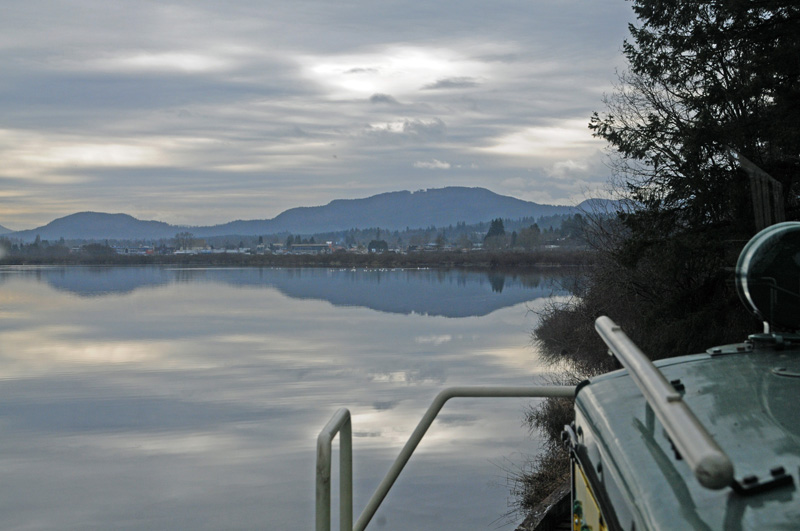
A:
388,210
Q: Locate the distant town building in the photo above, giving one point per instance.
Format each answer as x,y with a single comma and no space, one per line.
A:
134,251
311,248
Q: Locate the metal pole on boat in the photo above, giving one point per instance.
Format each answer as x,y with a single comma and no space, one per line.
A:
710,465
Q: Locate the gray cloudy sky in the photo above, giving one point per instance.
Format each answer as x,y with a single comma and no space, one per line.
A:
198,112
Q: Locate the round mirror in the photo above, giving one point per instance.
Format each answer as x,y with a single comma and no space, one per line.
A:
768,275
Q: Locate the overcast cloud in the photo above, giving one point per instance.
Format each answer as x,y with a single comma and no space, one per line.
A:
203,112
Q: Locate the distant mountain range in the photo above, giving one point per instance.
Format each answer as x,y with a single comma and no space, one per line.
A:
394,211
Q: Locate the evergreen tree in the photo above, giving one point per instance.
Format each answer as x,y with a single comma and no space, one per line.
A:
708,81
496,228
710,85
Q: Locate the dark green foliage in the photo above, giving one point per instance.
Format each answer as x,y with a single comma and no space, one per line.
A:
573,227
496,228
708,83
97,250
496,238
706,77
378,246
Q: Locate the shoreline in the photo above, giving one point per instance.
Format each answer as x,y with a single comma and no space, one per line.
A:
511,260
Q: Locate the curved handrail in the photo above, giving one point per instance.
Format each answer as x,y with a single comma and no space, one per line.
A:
325,437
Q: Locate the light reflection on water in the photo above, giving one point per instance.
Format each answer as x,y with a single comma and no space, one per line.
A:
156,398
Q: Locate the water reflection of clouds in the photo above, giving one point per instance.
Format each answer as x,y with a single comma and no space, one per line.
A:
54,348
197,398
174,444
436,340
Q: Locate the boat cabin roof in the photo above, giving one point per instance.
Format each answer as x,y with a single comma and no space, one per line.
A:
749,401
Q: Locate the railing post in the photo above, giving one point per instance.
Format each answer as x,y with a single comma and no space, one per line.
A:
340,422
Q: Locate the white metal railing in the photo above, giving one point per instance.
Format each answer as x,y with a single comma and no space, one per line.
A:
341,423
710,465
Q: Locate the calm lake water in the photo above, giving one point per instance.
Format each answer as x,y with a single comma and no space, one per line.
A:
164,398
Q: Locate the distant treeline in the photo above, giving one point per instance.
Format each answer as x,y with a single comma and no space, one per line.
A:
525,233
542,230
